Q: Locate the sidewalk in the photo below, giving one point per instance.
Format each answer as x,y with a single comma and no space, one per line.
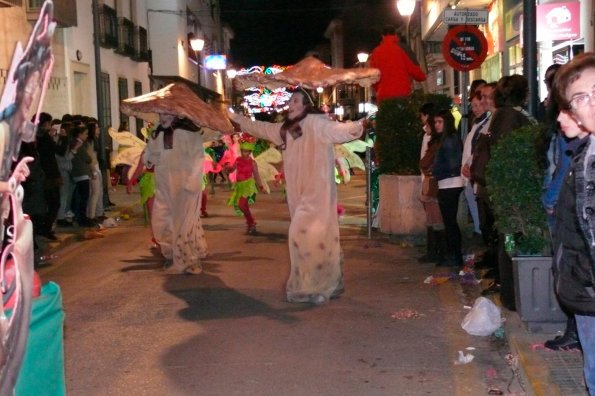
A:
544,372
124,202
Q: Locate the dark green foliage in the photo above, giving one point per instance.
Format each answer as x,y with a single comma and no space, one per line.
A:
514,177
399,133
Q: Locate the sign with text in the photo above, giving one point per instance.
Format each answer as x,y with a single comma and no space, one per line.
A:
558,21
464,47
465,17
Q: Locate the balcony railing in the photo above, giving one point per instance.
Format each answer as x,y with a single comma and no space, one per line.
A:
11,3
125,37
64,11
141,46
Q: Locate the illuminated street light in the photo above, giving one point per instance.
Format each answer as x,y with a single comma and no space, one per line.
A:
197,44
406,7
232,73
319,90
362,57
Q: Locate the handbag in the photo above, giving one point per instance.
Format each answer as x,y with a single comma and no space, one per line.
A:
429,187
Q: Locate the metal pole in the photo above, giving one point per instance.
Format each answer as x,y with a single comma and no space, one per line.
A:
465,103
369,191
99,95
530,54
198,66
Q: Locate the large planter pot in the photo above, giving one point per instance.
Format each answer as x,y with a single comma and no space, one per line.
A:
535,300
400,212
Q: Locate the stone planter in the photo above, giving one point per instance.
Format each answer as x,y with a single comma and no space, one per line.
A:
535,300
400,212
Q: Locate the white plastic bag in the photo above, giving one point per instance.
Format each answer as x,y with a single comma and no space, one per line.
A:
483,319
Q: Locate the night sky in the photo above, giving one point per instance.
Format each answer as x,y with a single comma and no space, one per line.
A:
276,31
281,32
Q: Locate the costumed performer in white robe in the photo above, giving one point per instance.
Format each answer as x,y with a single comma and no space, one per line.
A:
175,150
307,143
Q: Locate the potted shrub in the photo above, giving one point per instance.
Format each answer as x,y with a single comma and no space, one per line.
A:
398,143
514,176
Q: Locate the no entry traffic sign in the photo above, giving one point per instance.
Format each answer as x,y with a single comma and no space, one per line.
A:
464,47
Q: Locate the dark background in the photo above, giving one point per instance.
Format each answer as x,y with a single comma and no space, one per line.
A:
281,32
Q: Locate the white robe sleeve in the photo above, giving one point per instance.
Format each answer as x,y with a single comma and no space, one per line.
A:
266,130
330,131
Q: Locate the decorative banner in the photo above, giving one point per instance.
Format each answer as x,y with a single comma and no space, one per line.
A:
464,47
558,21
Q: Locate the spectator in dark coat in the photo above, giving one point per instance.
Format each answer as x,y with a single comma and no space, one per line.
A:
50,144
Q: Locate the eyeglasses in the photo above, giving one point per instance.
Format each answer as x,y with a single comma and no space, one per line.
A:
582,100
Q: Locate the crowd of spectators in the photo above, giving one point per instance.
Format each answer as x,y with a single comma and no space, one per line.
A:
68,175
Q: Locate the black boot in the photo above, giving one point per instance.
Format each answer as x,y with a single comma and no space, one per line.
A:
569,340
431,248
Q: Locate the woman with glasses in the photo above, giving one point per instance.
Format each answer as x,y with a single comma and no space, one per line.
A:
574,226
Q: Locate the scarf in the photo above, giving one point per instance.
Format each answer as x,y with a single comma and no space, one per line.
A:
293,128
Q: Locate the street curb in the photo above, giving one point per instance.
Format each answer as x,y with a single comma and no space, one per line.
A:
534,371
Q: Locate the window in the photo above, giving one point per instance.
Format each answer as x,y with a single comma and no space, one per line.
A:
108,26
105,104
138,90
123,94
126,45
142,44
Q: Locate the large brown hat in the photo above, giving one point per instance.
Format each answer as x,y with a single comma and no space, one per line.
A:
310,73
179,100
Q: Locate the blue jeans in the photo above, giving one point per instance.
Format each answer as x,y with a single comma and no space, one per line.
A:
586,334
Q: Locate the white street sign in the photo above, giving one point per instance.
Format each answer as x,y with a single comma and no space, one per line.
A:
465,17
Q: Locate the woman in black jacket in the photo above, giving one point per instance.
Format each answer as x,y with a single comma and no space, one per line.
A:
447,171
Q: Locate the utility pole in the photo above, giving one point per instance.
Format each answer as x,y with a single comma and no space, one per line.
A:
99,95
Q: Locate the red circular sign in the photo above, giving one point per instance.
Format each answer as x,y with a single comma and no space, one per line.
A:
464,47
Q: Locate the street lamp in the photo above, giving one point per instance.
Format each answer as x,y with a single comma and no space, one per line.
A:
197,45
362,57
406,7
231,74
319,90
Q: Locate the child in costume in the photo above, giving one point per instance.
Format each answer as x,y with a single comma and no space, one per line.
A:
247,182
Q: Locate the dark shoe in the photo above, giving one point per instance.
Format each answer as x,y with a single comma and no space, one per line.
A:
64,223
564,342
427,258
491,289
449,262
483,264
251,229
86,223
110,203
203,213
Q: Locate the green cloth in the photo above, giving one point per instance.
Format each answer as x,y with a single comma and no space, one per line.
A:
146,185
245,188
42,371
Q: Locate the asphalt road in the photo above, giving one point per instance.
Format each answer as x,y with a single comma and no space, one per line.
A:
131,330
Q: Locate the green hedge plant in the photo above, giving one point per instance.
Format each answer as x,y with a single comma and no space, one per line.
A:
399,132
514,177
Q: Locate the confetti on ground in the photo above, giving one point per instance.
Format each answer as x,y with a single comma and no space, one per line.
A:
491,373
464,358
406,313
434,280
537,346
